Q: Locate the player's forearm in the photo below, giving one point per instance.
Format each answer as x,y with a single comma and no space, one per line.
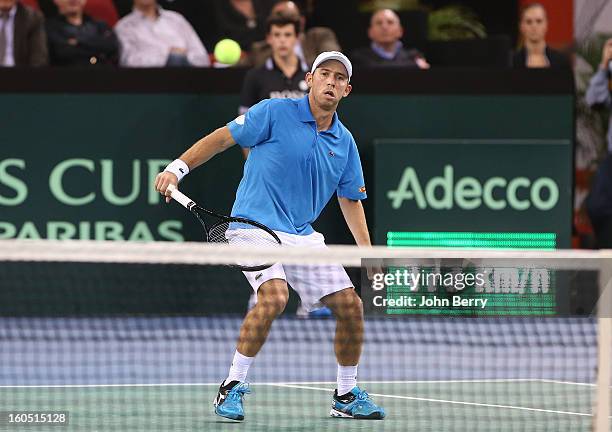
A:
203,150
355,219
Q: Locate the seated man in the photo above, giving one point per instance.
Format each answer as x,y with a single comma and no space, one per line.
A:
22,36
76,39
386,48
154,37
310,44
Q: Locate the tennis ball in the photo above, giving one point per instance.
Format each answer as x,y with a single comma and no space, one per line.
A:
227,51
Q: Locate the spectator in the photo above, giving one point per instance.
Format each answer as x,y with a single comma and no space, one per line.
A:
386,48
599,204
76,39
310,43
282,75
598,93
101,10
534,52
198,13
240,20
151,36
22,36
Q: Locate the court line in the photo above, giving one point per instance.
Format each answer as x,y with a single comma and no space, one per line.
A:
467,381
450,401
299,383
569,383
262,383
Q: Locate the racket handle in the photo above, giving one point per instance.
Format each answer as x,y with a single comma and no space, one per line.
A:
180,197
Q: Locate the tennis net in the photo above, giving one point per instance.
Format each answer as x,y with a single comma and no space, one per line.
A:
138,336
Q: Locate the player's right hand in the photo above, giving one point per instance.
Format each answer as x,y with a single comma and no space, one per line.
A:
162,181
606,55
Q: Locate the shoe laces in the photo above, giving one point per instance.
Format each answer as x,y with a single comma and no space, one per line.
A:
362,395
238,391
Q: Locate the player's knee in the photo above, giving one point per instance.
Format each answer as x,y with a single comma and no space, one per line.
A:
350,306
276,305
272,300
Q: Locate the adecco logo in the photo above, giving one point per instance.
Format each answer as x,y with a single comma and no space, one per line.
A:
468,193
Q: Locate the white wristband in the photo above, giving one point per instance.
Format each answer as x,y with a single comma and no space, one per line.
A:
178,168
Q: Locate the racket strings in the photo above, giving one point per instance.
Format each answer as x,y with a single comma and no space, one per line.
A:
217,233
241,234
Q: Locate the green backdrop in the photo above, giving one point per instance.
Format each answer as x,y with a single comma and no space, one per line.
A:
81,165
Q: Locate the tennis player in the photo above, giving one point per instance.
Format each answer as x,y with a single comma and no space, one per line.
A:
300,155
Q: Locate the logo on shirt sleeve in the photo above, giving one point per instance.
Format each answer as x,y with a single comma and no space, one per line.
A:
240,120
362,189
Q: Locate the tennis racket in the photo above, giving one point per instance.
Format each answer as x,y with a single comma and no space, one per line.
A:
228,229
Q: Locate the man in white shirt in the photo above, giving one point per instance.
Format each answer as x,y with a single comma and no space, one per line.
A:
154,37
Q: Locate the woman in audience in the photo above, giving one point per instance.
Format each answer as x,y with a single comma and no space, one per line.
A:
534,53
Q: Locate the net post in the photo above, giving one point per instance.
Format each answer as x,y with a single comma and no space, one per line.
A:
604,339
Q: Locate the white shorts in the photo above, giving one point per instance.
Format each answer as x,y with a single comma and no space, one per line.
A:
311,282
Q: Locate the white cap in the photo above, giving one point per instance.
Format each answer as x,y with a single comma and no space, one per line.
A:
333,55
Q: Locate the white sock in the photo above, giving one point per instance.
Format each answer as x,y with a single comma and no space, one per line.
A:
347,379
240,367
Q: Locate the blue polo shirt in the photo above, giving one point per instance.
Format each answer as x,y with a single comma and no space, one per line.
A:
292,170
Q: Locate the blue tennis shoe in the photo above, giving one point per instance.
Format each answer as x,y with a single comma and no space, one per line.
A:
228,402
356,404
